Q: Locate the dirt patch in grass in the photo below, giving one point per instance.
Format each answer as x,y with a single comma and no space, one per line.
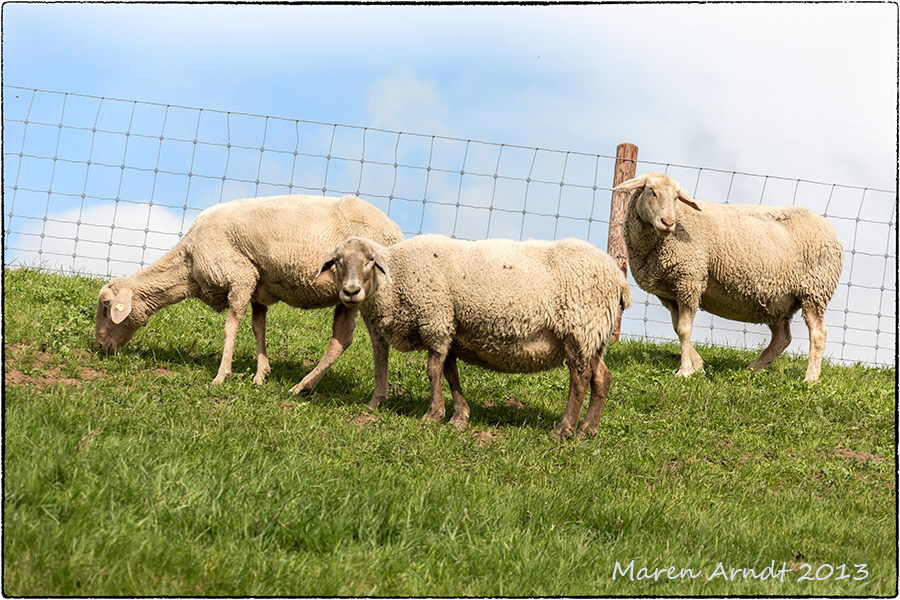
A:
363,419
485,438
45,369
678,463
510,402
862,457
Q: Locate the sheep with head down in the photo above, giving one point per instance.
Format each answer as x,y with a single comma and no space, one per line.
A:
251,252
747,263
514,307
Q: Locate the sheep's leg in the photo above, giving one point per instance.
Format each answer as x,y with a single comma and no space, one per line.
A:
815,320
683,321
380,353
258,323
578,383
237,306
460,417
341,338
435,368
781,339
600,380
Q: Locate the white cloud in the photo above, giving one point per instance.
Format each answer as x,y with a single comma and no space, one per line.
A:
802,91
403,102
111,240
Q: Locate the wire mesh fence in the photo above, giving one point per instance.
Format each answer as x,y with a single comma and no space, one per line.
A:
104,186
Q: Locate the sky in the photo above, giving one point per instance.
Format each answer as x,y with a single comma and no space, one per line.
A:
800,91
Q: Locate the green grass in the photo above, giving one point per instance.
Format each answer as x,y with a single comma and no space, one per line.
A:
131,475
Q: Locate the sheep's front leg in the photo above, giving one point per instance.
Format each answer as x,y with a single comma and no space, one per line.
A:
237,306
815,320
341,338
578,382
435,367
781,339
258,323
600,380
380,354
460,417
683,322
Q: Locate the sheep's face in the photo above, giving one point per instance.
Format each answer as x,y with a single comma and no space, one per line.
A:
117,322
358,263
654,198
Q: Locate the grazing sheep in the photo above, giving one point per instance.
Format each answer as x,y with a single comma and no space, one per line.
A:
514,307
754,264
257,252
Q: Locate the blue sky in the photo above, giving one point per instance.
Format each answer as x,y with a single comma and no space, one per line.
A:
804,90
800,91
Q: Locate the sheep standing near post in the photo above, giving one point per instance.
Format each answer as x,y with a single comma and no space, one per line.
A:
252,252
754,264
514,307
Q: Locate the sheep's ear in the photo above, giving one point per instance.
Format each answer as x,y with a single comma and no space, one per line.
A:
685,197
632,184
381,264
327,263
121,306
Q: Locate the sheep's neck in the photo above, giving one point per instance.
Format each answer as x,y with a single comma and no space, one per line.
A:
165,282
640,238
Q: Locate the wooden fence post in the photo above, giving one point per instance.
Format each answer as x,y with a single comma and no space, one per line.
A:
626,165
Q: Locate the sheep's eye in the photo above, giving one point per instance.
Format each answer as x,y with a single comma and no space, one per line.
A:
106,302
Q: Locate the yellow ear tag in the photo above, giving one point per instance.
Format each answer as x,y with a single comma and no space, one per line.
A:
120,307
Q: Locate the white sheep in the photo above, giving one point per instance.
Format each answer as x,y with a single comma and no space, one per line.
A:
257,252
514,307
747,263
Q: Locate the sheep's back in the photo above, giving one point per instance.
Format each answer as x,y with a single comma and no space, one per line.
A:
764,260
281,240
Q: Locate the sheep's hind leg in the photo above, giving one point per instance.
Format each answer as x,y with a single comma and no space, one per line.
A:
600,380
435,367
341,338
460,417
815,320
258,323
781,339
578,383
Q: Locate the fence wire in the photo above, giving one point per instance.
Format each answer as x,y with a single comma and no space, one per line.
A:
104,186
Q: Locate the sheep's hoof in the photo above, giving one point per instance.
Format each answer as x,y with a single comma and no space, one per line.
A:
562,432
688,372
260,377
431,417
300,389
588,430
376,401
460,423
219,379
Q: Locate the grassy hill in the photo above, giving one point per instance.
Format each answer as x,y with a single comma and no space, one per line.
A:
131,475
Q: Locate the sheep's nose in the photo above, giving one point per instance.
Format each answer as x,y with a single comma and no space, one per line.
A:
352,292
668,223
